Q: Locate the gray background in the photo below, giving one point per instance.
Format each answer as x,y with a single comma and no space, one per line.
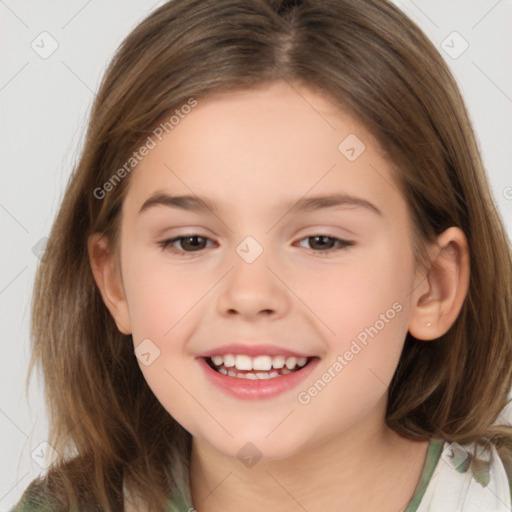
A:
45,101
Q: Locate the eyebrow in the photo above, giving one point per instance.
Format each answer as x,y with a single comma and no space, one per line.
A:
305,204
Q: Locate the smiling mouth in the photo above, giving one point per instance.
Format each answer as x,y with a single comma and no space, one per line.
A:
256,368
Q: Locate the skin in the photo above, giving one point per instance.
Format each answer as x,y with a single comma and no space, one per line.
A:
252,152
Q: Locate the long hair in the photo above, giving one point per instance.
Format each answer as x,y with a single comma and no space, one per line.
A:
370,59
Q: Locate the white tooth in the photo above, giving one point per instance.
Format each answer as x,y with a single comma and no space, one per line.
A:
277,362
285,371
291,363
223,371
262,363
302,361
273,374
251,376
263,375
243,362
229,360
231,373
217,360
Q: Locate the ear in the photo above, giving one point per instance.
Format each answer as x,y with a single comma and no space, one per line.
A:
108,278
438,298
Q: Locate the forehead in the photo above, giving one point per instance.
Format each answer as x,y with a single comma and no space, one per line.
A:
264,145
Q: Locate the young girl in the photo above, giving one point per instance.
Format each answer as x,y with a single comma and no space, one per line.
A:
277,279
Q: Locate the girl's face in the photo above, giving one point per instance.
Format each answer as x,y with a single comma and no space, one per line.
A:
297,247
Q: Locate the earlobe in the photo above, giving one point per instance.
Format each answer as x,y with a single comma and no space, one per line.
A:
108,280
438,299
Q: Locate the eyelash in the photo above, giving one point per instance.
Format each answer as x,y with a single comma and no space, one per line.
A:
166,245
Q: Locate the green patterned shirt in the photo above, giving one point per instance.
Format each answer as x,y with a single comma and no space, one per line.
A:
452,480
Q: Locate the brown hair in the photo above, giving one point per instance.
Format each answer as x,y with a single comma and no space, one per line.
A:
376,64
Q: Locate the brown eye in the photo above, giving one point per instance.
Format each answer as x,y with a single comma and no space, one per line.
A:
324,243
192,242
184,244
321,242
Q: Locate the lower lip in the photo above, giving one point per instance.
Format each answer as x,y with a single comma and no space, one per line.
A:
256,389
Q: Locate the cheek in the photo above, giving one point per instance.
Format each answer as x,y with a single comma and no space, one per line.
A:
162,311
364,304
173,388
366,309
353,295
160,296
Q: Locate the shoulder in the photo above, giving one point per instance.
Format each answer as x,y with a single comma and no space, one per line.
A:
36,498
470,477
47,493
505,454
40,497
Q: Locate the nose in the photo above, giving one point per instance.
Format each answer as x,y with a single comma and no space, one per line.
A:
251,291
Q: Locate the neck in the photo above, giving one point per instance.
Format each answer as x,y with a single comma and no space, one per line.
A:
367,468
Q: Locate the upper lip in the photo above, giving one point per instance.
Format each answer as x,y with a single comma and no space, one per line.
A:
252,351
